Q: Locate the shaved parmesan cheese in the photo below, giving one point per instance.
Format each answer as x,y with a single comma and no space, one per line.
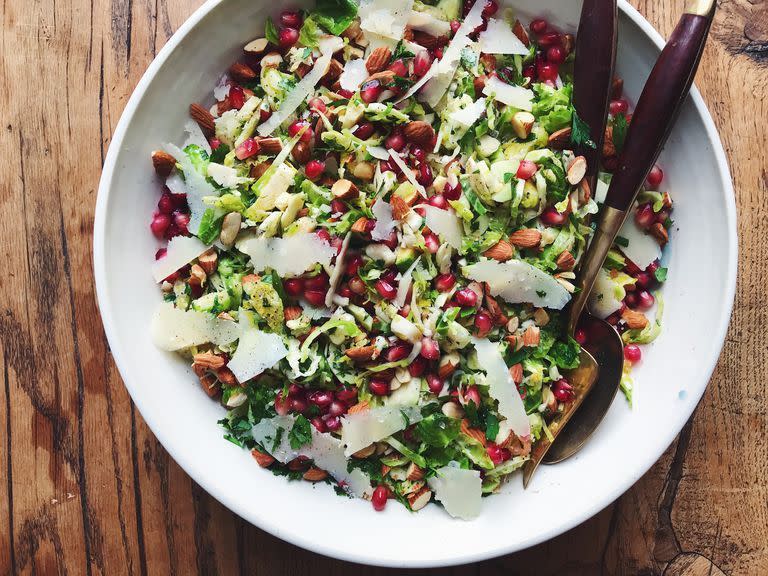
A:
459,490
642,248
405,284
195,136
603,300
386,18
469,115
297,95
326,451
446,69
181,250
515,96
601,191
221,91
423,80
195,187
314,313
498,38
501,386
385,223
225,175
289,256
518,282
338,270
360,430
256,351
175,329
407,171
175,184
378,152
354,74
426,22
445,224
277,183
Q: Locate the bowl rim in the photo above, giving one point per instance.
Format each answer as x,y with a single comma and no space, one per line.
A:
275,527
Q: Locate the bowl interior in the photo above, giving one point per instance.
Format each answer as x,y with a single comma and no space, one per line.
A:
669,383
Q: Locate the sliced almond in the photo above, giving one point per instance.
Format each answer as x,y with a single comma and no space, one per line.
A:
417,500
660,233
448,365
301,153
344,189
364,171
292,312
258,170
522,35
531,336
400,208
242,72
271,60
560,139
516,372
565,261
230,228
541,317
197,275
577,170
609,148
501,251
163,163
419,132
315,475
361,225
522,124
226,377
207,361
635,320
362,353
365,452
474,433
526,238
378,59
335,68
264,460
203,118
208,261
257,46
357,408
414,472
270,146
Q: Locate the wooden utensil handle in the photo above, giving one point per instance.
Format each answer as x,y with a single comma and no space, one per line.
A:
659,105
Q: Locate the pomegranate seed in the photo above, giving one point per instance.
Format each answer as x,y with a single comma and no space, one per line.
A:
353,264
236,97
466,298
580,336
425,176
430,349
297,127
445,282
299,405
652,267
422,63
643,280
490,8
483,323
455,25
317,105
397,352
379,387
631,268
214,143
337,408
294,287
288,37
318,423
562,390
417,367
181,221
548,71
314,169
248,148
438,201
323,234
344,291
295,390
550,39
391,242
264,114
371,91
321,398
438,52
419,154
655,177
644,216
346,394
617,107
452,192
497,454
364,131
290,18
315,297
539,26
396,142
338,206
434,383
380,497
399,68
551,217
319,282
632,353
432,242
556,54
529,72
645,300
333,423
472,394
385,289
282,405
527,169
161,253
160,224
165,205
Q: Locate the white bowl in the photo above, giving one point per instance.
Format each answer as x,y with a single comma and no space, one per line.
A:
669,383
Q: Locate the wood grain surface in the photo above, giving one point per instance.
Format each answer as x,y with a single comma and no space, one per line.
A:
85,488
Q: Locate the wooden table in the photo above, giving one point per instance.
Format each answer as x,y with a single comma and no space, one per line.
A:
86,488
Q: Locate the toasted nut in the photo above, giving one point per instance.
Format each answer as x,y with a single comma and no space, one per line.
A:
163,163
617,88
210,385
660,233
400,208
365,452
531,336
384,78
301,153
634,319
414,472
197,275
513,324
299,464
207,361
362,353
203,118
585,192
609,148
411,487
242,72
264,460
417,500
427,40
257,46
270,146
208,261
357,408
378,59
453,410
526,238
522,124
541,317
569,41
420,133
258,170
566,261
315,475
494,309
353,31
227,377
360,225
292,312
518,446
335,68
667,201
519,31
364,171
344,189
448,365
501,251
230,228
577,170
560,139
488,61
271,60
475,433
516,372
479,83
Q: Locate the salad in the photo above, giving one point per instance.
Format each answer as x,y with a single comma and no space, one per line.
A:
372,235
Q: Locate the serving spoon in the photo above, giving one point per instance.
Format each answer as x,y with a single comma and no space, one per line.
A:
657,110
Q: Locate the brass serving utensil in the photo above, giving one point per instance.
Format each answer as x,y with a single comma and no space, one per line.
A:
657,110
593,81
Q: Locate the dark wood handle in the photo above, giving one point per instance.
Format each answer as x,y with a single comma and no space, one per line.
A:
593,73
657,110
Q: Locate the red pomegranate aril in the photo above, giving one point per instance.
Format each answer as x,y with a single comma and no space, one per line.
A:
556,54
323,234
181,221
422,63
380,497
346,394
321,398
344,291
288,37
432,242
378,387
165,205
317,105
236,97
619,106
562,390
364,131
338,206
419,154
452,192
385,289
472,394
644,216
632,353
580,336
631,299
652,267
337,408
214,143
319,282
661,217
396,142
550,39
314,169
548,72
527,169
332,423
290,18
425,176
430,349
497,454
466,298
371,91
551,217
399,68
282,405
655,178
391,242
160,224
438,201
264,114
539,26
445,282
417,367
437,53
645,300
483,324
295,390
248,148
161,253
299,405
353,264
315,297
294,287
397,352
297,127
490,8
319,424
435,384
643,280
455,25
